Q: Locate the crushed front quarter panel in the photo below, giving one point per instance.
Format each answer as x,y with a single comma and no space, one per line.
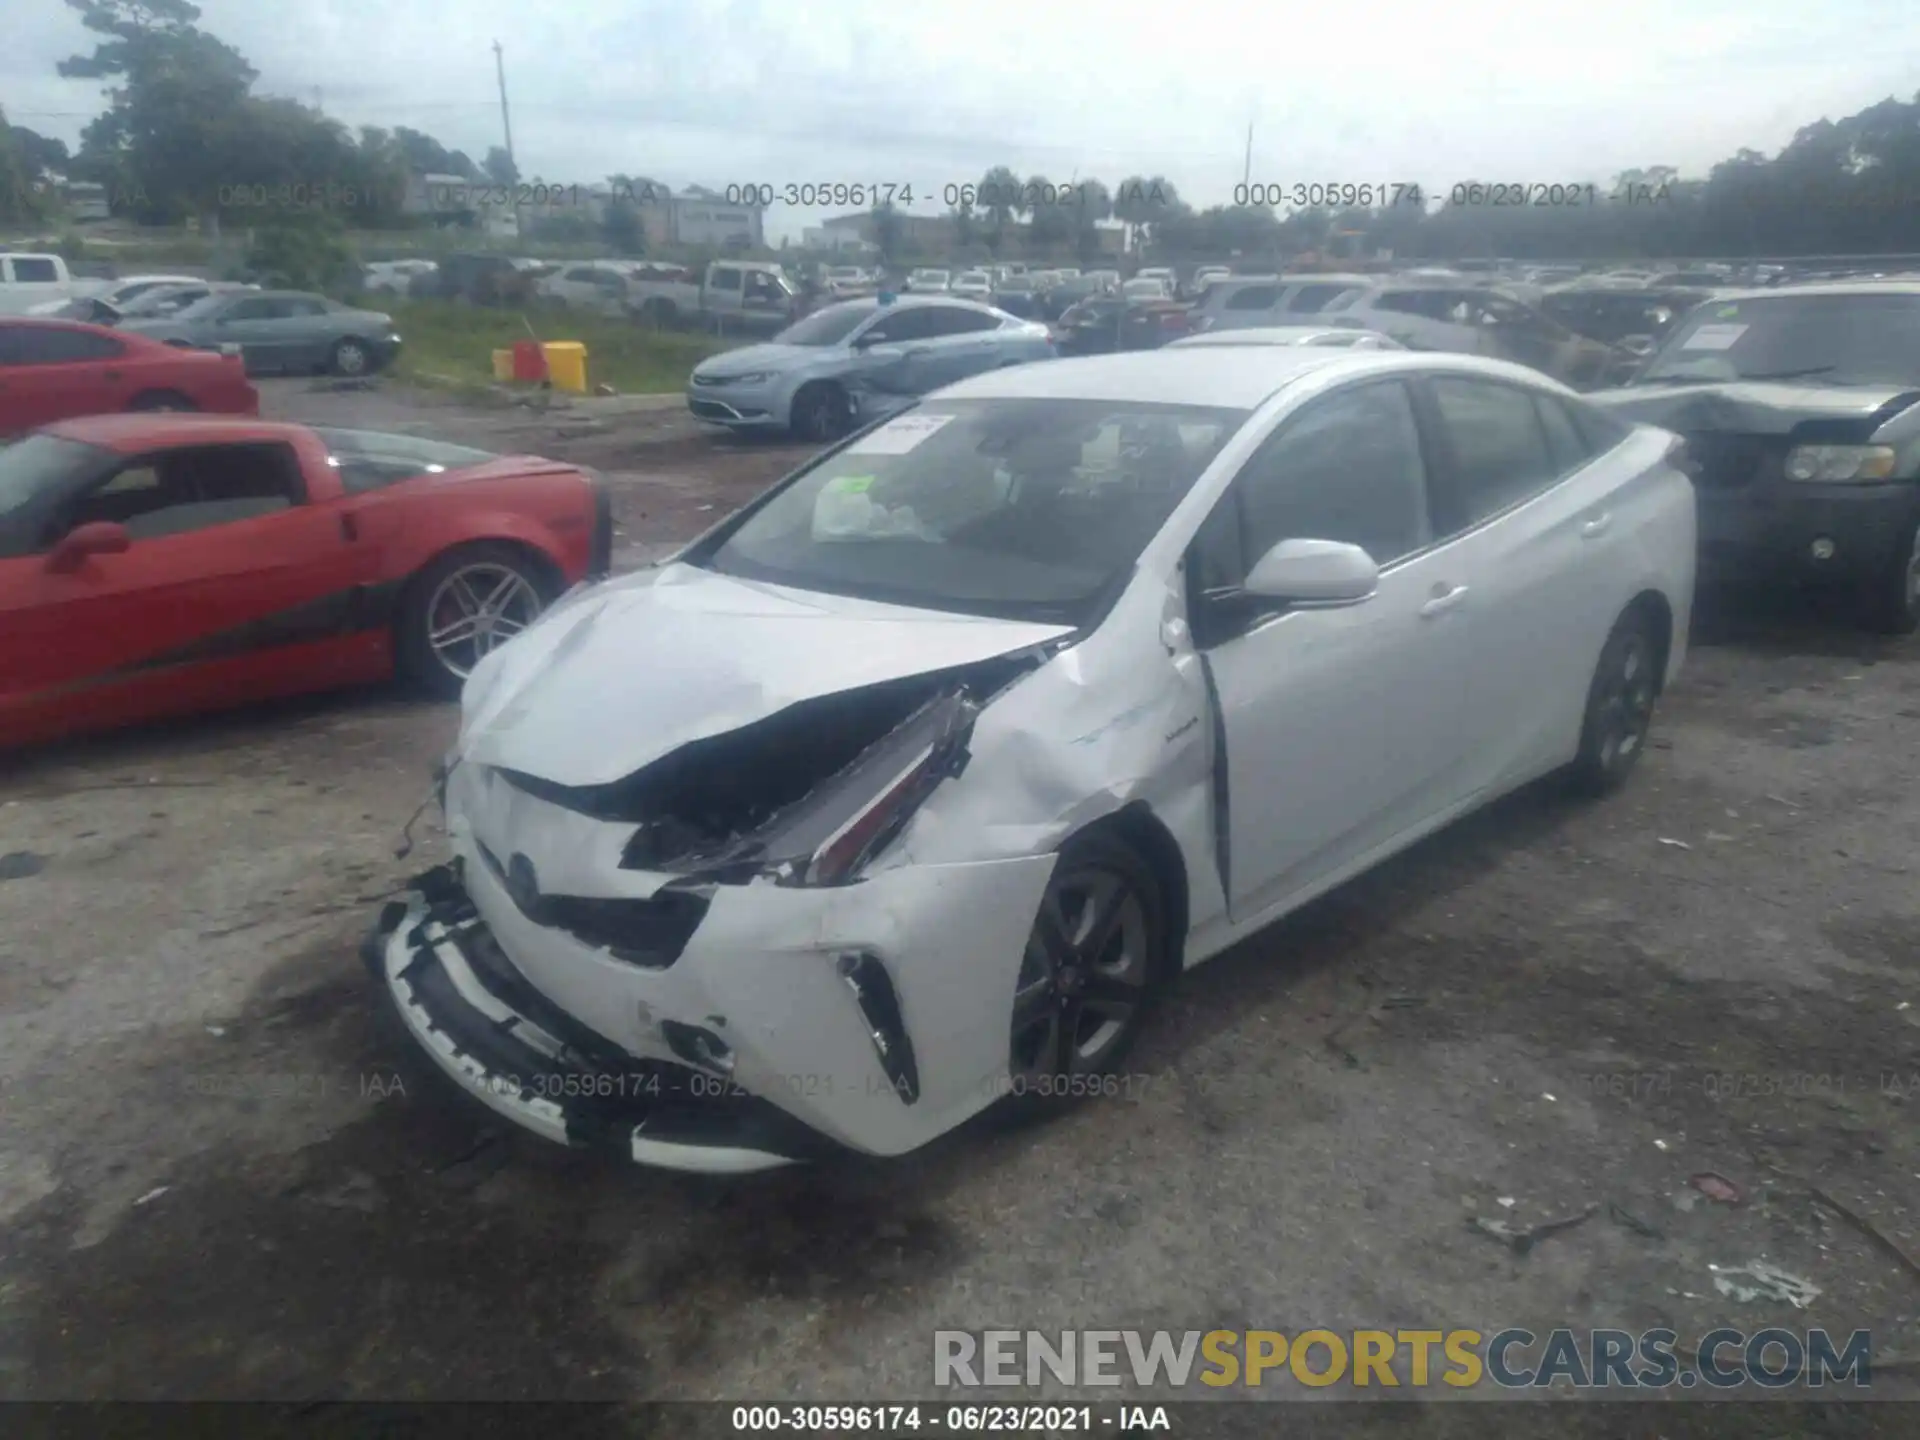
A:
1122,718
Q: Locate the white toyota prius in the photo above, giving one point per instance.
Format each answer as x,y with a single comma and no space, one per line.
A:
905,788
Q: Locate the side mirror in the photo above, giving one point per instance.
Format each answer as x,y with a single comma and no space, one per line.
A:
1313,573
100,537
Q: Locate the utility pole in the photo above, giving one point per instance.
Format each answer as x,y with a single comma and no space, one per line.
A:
506,121
1246,172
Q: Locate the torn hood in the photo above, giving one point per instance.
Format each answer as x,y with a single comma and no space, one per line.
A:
619,674
1752,407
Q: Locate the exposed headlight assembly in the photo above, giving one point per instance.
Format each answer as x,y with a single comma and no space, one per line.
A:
750,379
1839,464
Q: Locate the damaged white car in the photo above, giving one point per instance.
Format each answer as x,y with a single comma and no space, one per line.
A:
908,786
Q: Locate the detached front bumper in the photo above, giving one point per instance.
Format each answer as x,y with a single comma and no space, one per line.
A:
503,1043
791,1024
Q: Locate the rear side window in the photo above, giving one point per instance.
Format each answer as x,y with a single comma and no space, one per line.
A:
1254,297
1565,443
1499,449
952,320
1311,299
34,270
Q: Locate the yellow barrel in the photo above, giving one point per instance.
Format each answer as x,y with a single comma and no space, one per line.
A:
567,365
503,365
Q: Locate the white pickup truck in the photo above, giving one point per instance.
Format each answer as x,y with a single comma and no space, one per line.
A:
27,280
737,294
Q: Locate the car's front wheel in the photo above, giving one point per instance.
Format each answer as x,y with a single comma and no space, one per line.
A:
1893,597
351,358
820,412
1620,701
1090,970
463,607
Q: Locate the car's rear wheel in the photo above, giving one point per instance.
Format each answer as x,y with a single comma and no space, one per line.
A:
659,312
1892,600
1620,702
464,606
351,357
158,400
1091,968
820,412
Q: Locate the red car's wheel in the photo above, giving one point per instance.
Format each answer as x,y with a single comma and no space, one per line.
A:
464,606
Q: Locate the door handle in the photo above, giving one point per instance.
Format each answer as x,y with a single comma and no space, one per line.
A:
1445,597
1596,527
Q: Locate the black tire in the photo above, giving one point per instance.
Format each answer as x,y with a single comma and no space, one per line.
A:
1620,701
161,400
433,671
659,312
351,357
1094,964
1891,602
820,412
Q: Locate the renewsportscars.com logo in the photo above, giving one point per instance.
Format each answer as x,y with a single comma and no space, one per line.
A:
1512,1359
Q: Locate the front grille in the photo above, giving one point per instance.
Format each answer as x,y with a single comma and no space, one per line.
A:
649,933
1721,461
710,409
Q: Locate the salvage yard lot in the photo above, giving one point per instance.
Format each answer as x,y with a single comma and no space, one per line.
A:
223,1173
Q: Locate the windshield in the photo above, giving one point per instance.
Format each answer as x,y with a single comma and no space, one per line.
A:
28,467
1839,339
825,327
1025,508
203,307
162,301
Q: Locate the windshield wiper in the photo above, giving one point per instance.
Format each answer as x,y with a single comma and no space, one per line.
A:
1792,374
1735,379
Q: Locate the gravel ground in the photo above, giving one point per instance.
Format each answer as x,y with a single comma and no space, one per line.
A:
222,1173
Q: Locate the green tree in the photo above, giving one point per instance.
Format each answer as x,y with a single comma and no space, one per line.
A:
175,127
998,199
1092,204
889,232
302,253
500,167
621,225
20,197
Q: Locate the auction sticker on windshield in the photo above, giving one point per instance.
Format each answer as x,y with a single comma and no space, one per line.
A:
897,437
1714,337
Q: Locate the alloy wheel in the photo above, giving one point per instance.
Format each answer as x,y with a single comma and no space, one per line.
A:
349,358
1626,700
477,609
1084,976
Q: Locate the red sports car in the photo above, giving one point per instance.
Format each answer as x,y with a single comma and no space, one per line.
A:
54,369
157,565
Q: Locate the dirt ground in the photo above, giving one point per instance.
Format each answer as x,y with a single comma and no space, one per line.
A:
222,1173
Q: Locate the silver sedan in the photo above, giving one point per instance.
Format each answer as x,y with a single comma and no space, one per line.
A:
858,361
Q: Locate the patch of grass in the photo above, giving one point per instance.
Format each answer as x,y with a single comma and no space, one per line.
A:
445,342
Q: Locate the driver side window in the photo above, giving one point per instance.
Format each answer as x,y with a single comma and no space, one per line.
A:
912,323
177,491
1347,468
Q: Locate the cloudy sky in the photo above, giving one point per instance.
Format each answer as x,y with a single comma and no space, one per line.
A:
720,91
